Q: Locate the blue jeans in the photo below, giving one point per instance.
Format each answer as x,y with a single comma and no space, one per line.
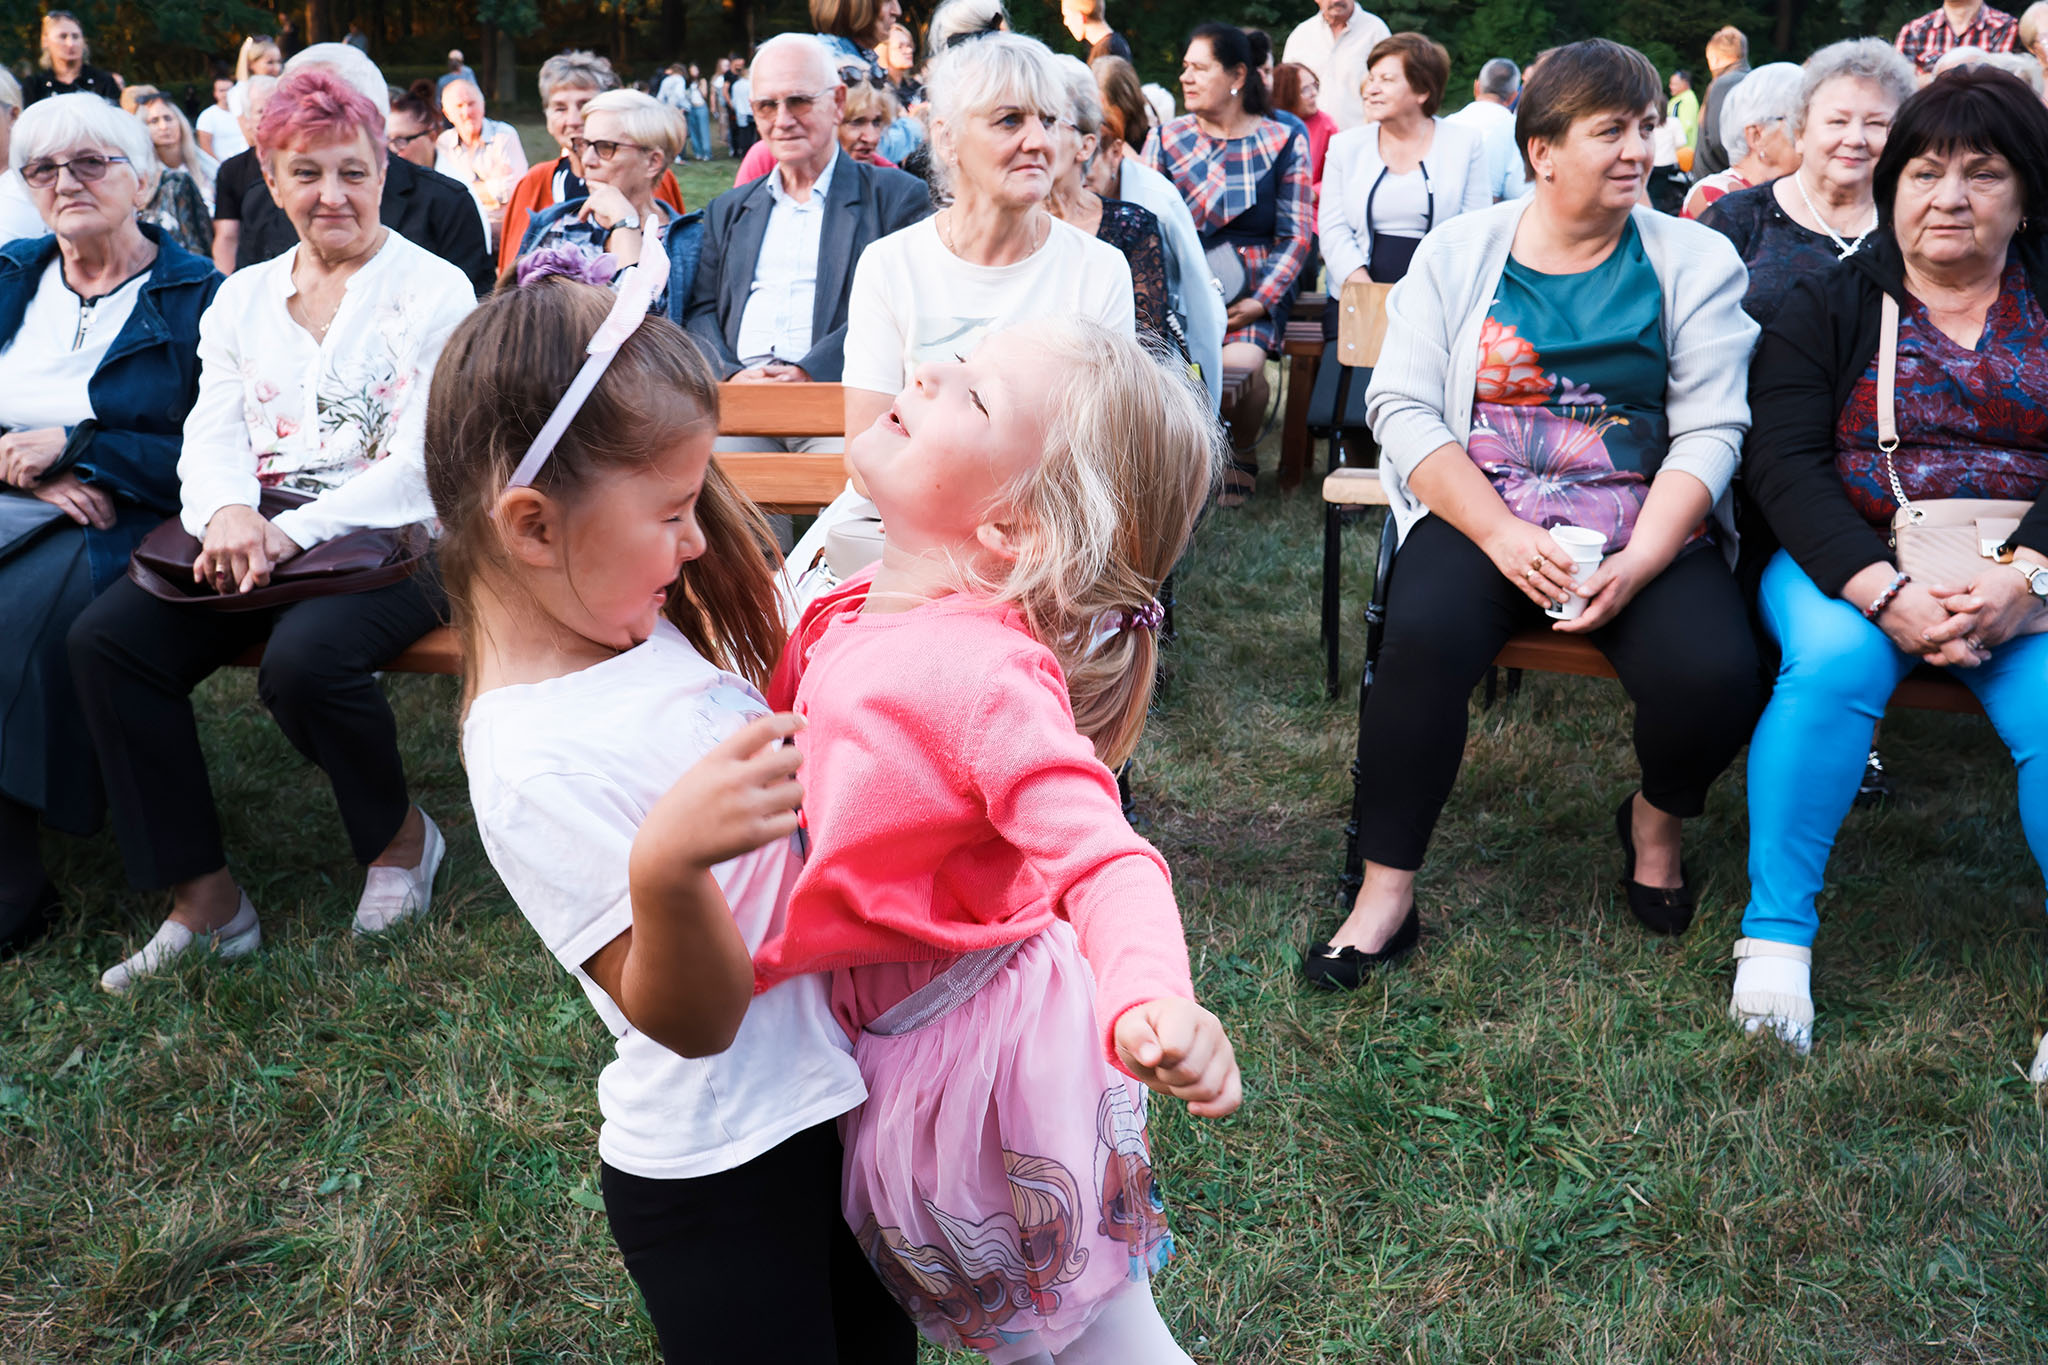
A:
1806,757
700,134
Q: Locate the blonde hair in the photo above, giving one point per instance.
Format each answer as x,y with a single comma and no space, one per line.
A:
990,72
643,119
880,100
1131,452
504,369
252,48
195,162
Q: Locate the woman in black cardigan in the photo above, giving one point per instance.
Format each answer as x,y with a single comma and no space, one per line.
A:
1963,187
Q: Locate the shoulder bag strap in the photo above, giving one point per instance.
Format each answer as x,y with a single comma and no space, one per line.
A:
1887,405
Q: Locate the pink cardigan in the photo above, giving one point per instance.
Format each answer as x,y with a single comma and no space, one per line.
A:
952,806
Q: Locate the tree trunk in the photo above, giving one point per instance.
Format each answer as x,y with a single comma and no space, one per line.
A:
317,30
619,37
506,87
675,29
1783,33
487,59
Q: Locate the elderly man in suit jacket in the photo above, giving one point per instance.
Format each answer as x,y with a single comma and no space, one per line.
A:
769,305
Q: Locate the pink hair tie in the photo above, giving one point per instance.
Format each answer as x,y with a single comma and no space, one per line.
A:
1151,616
638,289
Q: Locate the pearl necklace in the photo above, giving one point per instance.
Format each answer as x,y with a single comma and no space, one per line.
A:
1843,249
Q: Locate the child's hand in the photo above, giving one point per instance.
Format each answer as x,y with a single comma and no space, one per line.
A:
1178,1048
740,796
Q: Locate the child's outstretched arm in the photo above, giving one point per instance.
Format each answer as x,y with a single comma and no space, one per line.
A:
1178,1048
682,974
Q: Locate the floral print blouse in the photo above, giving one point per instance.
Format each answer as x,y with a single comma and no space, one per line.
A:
1568,418
342,417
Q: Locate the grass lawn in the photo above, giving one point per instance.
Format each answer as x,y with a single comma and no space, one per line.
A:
1539,1141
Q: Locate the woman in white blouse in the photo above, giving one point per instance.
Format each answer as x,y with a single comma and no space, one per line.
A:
1389,181
314,373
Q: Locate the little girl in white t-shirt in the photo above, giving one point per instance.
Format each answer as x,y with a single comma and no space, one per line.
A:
614,599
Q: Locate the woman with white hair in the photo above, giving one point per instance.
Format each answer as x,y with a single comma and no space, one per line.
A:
959,21
18,216
629,140
99,334
1756,130
1129,228
183,203
1823,211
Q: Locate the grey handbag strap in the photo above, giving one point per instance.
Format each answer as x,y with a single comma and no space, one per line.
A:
944,993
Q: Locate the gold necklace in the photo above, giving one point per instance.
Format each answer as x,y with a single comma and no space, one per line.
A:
944,222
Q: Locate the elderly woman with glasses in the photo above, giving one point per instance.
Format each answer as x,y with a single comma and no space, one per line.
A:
313,386
99,333
630,138
1821,212
569,81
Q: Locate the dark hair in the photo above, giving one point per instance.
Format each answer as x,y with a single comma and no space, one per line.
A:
504,369
1230,48
1287,87
1975,109
1424,61
1124,97
1683,75
1262,45
1592,76
413,106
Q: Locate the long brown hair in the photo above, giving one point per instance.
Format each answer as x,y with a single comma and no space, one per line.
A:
498,380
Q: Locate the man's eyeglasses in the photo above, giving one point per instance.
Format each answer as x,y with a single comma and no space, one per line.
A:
798,105
86,168
601,150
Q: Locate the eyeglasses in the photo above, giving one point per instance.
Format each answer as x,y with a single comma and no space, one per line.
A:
603,150
86,168
798,105
860,75
407,139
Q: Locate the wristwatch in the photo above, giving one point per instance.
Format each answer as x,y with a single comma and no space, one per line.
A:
2036,576
631,223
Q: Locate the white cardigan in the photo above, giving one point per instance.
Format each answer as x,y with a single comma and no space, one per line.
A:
1458,178
1188,278
1420,399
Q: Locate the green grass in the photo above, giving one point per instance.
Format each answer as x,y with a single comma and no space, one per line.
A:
700,181
1540,1141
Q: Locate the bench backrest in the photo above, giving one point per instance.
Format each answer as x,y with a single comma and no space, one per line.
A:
777,480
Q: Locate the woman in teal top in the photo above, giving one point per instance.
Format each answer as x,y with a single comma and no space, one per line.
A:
1559,360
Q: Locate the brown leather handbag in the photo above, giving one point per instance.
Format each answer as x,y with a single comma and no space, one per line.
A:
356,562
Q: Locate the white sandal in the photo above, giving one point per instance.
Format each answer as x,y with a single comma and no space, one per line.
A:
237,938
1774,991
392,895
2038,1073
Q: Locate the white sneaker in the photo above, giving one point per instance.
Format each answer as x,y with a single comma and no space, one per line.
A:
1774,991
394,894
2038,1073
239,936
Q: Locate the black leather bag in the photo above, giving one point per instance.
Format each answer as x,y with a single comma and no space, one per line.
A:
356,562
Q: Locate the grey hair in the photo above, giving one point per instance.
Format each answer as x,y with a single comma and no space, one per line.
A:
814,54
1500,78
2012,63
1084,95
989,73
66,123
1770,92
956,19
1859,59
10,91
584,70
350,63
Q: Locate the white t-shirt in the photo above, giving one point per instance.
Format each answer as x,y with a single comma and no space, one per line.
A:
45,369
913,301
226,130
18,215
561,774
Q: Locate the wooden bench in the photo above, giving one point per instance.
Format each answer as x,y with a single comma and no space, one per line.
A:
776,480
1301,351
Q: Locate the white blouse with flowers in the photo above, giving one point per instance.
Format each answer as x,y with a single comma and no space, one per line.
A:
342,419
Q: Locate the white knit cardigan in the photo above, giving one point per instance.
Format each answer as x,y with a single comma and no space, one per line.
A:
1422,390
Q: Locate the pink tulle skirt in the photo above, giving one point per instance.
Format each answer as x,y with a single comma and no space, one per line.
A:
998,1176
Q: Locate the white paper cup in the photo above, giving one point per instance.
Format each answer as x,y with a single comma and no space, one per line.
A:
1587,549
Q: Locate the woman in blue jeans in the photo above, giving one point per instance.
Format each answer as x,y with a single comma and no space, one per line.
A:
1962,187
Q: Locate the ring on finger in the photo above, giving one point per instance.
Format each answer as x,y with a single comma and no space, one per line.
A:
1974,643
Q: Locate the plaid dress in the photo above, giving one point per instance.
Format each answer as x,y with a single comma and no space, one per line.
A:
1222,179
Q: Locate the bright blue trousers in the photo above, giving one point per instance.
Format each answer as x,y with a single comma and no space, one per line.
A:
1806,757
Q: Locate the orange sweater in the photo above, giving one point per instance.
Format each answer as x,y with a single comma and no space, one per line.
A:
536,191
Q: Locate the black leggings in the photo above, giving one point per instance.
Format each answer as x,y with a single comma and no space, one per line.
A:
755,1266
1682,647
136,659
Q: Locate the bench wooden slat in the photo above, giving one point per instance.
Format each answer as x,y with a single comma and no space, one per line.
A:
780,481
1544,651
781,410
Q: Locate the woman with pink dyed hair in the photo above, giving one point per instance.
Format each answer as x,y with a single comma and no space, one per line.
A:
312,392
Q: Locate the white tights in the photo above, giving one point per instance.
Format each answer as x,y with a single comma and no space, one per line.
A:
1128,1331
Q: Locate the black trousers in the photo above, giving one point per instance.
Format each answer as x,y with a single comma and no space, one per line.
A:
755,1266
1682,649
136,660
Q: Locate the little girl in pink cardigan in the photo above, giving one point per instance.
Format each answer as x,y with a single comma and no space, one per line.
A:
1006,951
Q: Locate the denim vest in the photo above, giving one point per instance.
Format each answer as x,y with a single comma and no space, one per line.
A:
144,386
684,243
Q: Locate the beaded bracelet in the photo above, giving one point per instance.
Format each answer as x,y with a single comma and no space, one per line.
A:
1884,599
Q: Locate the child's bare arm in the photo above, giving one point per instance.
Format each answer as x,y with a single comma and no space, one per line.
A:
1178,1048
682,974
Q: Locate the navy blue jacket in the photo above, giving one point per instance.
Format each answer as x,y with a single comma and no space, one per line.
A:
684,243
140,394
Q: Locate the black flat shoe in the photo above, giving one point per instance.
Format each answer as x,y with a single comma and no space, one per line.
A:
21,925
1660,909
1345,969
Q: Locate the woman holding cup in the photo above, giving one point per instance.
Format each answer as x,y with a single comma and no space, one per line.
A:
1563,376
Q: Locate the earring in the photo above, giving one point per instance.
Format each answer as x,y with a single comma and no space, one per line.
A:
1550,175
1233,91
